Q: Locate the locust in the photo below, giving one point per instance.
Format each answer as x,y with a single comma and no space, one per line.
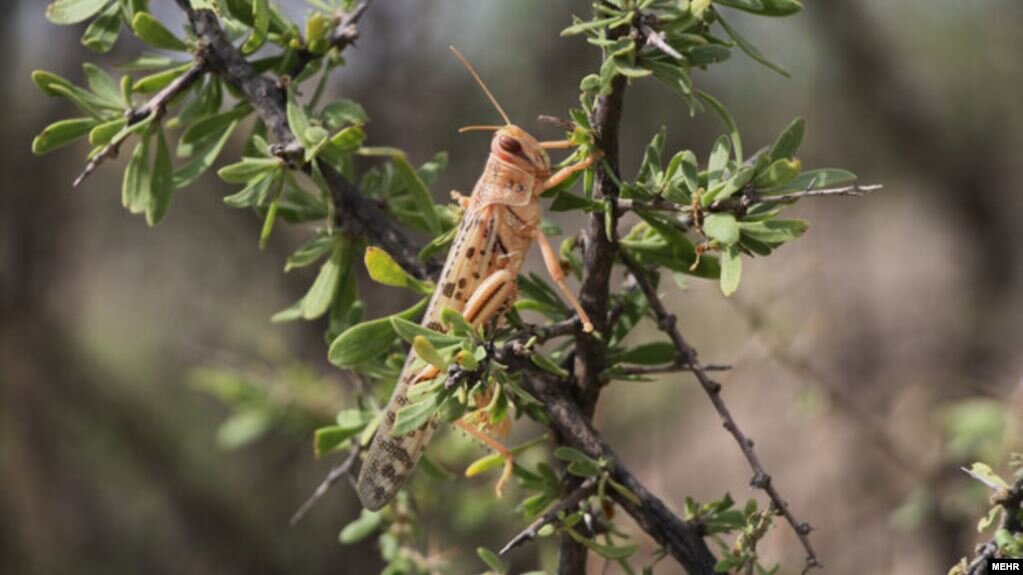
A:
500,222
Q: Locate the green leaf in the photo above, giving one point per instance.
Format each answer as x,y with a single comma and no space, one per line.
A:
361,528
260,26
159,80
369,339
456,321
733,129
815,180
675,77
415,186
348,140
731,270
774,231
572,455
151,31
613,552
384,270
545,363
271,214
409,330
583,469
779,173
581,26
984,473
61,133
73,11
210,125
87,102
319,296
47,81
415,415
340,113
101,35
135,186
162,183
566,201
750,49
298,120
789,141
492,560
716,164
653,353
425,350
191,171
248,169
252,194
310,252
350,423
722,228
988,520
754,6
102,134
102,85
484,464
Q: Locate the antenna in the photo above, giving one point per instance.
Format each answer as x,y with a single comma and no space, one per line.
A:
479,81
465,129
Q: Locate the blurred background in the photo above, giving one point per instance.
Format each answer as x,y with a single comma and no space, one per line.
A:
872,357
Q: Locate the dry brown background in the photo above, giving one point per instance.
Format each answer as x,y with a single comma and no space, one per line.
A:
846,343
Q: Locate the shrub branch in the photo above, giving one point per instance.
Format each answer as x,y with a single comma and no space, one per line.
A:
761,480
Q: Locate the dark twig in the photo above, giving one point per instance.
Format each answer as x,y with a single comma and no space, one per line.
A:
268,100
340,470
681,539
345,35
670,368
155,107
761,480
573,499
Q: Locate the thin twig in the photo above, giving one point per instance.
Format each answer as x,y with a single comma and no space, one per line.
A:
530,533
854,190
156,106
345,35
761,480
740,203
682,539
340,470
670,368
268,100
657,39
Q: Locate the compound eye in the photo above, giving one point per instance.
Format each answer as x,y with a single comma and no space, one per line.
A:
510,145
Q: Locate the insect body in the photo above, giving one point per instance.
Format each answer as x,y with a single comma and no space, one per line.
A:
500,223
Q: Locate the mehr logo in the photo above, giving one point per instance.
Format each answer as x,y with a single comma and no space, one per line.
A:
1006,566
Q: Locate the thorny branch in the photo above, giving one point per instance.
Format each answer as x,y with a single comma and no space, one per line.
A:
568,502
570,412
1011,501
155,107
761,480
683,540
268,99
743,202
343,469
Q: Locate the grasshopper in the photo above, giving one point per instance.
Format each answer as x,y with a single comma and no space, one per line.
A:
501,220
